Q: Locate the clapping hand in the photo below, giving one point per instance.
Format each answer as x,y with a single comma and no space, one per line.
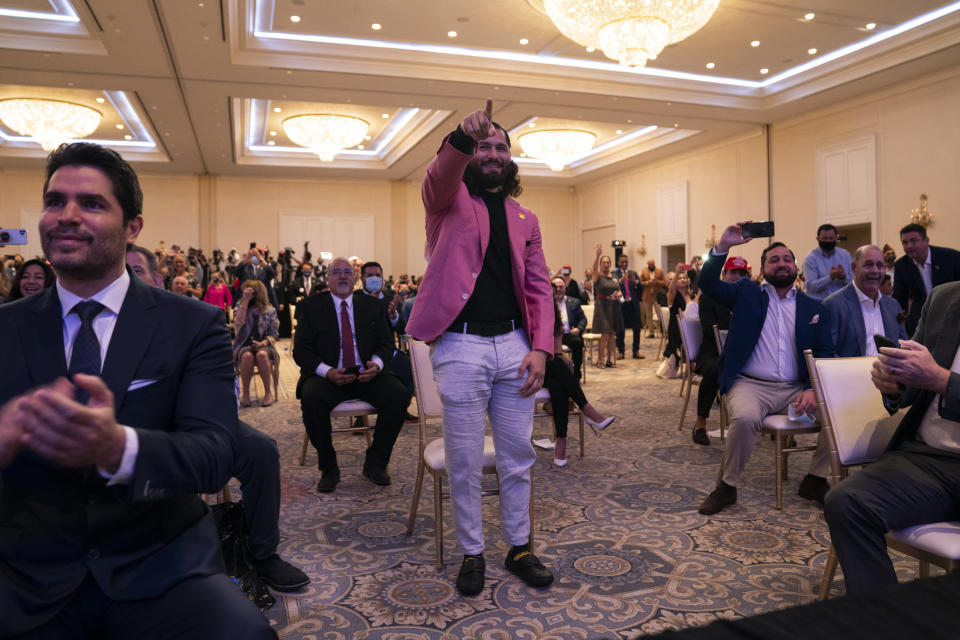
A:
479,124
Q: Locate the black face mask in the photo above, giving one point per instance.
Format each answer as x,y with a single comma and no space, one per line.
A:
827,247
651,269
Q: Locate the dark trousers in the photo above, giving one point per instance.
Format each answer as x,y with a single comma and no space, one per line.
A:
199,607
400,365
385,392
631,320
562,385
258,470
576,351
709,369
915,484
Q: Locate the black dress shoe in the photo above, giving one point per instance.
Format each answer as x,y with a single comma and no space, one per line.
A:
526,566
470,578
280,574
700,437
723,496
328,480
813,488
377,475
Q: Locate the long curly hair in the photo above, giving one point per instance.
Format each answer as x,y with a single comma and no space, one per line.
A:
511,184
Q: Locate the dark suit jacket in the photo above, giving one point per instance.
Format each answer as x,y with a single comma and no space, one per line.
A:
318,333
297,289
847,326
937,331
58,524
749,305
575,314
908,286
633,281
245,271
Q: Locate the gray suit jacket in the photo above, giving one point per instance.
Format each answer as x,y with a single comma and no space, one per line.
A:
847,326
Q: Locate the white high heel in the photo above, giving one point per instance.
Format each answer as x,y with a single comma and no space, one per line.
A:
599,426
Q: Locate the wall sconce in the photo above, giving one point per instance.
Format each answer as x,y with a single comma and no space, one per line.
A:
712,240
921,215
642,249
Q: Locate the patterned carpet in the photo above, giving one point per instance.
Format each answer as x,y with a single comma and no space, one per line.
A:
619,528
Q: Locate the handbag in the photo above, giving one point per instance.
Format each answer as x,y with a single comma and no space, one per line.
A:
668,368
237,557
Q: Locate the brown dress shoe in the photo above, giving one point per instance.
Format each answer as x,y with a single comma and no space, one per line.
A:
723,496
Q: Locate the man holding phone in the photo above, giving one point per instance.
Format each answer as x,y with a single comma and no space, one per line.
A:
342,345
762,371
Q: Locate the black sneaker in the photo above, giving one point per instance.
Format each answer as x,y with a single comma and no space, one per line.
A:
280,574
328,481
470,578
377,475
813,488
700,437
721,497
526,566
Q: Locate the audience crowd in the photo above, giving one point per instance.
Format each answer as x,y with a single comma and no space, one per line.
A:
349,324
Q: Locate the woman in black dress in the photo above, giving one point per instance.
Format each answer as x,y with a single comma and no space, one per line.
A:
607,316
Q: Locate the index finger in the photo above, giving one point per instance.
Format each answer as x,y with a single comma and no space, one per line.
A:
488,110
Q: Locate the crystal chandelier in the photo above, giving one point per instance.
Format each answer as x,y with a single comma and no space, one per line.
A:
630,31
557,147
325,134
49,122
922,216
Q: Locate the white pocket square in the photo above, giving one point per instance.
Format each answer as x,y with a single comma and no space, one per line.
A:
140,384
815,319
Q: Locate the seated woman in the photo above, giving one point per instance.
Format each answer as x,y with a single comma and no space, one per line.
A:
563,386
678,296
256,327
32,276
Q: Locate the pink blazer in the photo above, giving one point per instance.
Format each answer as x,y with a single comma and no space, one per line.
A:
458,231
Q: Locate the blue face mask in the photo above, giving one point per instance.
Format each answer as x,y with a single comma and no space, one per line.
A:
254,260
373,284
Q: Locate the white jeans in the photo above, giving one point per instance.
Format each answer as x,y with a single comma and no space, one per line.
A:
476,376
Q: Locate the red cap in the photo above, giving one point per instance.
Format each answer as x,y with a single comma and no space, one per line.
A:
566,266
736,262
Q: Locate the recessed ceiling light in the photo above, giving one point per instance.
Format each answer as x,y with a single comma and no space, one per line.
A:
119,126
366,138
100,100
201,5
764,71
812,50
294,18
277,109
532,124
376,26
128,137
451,34
524,41
591,49
629,121
523,155
619,131
676,124
711,65
271,143
360,146
755,43
871,26
384,115
809,16
273,133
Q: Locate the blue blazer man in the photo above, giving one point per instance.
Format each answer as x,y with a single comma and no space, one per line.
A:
749,305
847,326
575,314
170,368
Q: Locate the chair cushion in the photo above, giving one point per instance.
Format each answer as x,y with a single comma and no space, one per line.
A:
778,422
941,538
434,457
353,408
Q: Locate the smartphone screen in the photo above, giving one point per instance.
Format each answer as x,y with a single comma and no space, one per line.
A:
757,229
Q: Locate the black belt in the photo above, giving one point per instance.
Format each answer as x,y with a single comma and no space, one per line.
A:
485,329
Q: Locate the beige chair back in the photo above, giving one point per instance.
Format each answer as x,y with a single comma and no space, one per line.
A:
428,397
691,335
663,314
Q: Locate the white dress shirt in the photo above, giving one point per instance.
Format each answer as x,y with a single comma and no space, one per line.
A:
323,368
564,318
775,356
872,319
111,297
926,272
936,431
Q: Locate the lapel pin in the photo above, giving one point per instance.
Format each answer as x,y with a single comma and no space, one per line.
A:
522,216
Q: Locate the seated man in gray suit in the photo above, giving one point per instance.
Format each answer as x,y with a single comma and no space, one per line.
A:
858,311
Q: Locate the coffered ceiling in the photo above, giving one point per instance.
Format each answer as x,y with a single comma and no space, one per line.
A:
190,86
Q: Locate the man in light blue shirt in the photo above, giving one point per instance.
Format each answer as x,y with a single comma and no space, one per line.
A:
827,268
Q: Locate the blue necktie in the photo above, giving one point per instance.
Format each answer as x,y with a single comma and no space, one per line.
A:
86,347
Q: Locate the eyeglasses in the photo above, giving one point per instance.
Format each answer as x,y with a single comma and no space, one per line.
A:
342,272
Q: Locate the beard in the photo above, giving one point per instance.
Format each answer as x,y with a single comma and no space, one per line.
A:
94,258
478,180
780,279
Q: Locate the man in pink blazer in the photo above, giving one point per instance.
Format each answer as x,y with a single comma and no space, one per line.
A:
485,303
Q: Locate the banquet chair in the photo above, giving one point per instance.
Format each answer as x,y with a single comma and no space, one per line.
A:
431,454
858,429
542,397
691,336
348,409
720,335
663,318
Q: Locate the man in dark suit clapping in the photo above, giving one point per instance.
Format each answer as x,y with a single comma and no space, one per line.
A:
102,532
343,344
